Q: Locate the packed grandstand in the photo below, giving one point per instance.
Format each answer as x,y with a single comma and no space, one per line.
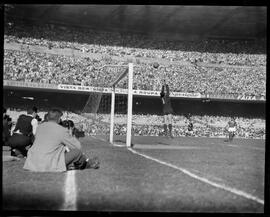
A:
243,72
235,67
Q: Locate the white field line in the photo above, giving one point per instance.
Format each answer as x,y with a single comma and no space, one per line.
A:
221,186
70,192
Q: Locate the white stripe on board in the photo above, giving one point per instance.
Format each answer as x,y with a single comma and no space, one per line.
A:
70,192
221,186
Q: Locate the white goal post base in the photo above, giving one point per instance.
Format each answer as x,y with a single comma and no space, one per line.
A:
128,71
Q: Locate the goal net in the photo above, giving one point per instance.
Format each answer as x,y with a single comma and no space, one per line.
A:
108,109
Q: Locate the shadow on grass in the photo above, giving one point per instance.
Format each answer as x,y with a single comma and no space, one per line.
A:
24,201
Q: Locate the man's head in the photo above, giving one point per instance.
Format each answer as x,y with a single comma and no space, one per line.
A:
55,115
32,111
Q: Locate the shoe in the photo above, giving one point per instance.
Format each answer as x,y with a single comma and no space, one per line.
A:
92,163
71,167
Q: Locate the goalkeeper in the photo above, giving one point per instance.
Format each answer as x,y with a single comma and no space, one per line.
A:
231,128
167,109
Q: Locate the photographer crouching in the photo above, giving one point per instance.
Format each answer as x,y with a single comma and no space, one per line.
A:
24,133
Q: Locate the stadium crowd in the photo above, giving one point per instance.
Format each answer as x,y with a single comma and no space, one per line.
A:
121,44
59,69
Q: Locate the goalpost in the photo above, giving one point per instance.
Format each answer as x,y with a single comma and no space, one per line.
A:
128,71
108,109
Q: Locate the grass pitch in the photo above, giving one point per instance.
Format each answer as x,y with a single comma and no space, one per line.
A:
131,182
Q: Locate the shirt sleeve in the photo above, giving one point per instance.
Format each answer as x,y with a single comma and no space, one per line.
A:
34,123
71,141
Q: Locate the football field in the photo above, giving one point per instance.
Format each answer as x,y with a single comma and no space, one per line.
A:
157,174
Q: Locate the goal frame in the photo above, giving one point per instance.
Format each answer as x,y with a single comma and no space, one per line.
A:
128,71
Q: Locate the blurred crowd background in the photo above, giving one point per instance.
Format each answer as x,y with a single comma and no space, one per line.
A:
152,125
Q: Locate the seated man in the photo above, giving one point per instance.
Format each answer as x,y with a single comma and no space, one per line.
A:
55,150
24,132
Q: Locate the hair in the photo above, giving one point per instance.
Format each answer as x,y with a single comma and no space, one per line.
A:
54,114
4,110
35,109
31,110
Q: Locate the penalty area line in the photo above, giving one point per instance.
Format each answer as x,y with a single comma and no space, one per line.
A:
70,192
202,179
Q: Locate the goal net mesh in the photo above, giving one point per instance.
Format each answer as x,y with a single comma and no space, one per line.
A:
97,109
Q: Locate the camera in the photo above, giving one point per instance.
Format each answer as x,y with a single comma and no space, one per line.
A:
38,118
69,124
